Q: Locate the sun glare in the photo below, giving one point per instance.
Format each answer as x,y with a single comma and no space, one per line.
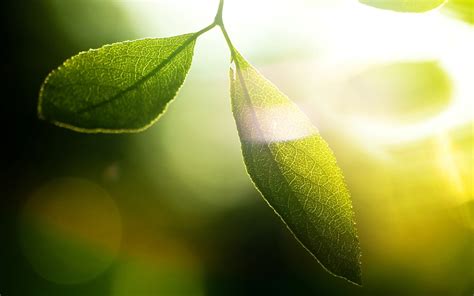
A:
366,36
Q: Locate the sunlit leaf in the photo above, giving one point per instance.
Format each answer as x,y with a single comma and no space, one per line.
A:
404,5
461,9
295,170
122,87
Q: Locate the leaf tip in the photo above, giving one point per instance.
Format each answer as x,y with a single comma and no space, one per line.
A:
356,278
351,273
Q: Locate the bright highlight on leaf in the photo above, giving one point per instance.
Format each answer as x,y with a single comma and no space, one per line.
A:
404,5
122,87
295,170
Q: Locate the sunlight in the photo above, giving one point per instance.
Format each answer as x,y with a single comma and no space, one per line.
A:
448,166
278,123
373,36
189,14
431,38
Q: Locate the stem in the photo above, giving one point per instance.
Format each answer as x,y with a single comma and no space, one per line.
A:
233,52
218,21
200,32
218,18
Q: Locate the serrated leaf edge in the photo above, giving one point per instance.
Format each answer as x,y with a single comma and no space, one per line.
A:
232,77
190,41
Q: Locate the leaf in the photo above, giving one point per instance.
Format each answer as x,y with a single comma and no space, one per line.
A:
404,5
122,87
461,9
295,171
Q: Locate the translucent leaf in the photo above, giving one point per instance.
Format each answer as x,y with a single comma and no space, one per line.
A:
404,5
295,171
122,87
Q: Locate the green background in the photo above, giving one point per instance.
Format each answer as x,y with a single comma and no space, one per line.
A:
189,221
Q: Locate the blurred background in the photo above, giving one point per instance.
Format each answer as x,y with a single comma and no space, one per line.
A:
171,211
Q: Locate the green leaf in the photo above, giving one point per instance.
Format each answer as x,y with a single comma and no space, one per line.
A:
461,9
122,87
295,171
404,5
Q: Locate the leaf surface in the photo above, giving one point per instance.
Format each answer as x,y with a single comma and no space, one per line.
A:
122,87
295,171
404,5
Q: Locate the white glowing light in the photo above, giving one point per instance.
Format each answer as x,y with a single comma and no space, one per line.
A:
278,123
338,34
171,16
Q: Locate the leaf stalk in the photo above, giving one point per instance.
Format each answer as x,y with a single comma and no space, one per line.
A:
218,21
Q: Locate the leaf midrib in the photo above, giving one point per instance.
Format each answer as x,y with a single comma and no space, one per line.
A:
143,79
259,130
254,115
293,193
